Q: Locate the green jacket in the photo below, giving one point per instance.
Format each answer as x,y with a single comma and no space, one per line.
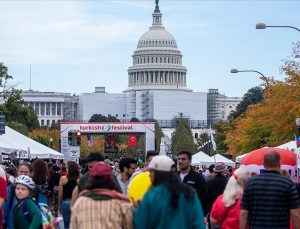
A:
155,211
22,222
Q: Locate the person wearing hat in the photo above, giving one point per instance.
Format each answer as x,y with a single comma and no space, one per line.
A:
101,205
216,186
169,203
91,159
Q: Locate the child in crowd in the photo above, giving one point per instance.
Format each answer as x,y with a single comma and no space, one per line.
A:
27,213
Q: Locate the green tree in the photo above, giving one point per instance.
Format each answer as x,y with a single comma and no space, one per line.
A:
182,139
17,116
134,119
102,118
203,143
221,129
253,96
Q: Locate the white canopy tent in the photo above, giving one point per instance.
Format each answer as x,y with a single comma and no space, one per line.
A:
219,158
14,142
292,146
201,158
239,158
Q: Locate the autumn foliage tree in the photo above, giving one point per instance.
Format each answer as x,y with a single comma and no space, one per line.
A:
272,121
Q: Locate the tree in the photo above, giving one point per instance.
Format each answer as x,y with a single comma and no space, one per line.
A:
17,116
221,129
270,122
253,96
43,136
203,143
102,118
4,78
134,119
182,138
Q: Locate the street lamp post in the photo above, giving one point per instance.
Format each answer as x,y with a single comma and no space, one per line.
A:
51,141
264,26
237,71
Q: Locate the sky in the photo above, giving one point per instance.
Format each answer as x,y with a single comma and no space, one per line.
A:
75,46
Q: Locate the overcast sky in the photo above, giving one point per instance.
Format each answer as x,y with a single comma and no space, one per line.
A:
73,46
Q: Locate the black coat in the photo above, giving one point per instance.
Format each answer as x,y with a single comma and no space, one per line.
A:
215,188
197,181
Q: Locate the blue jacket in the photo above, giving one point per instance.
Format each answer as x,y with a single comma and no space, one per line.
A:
8,210
155,211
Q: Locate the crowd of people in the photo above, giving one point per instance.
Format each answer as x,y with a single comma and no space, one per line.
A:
180,196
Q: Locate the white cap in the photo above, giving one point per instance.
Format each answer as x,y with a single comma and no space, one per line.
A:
161,163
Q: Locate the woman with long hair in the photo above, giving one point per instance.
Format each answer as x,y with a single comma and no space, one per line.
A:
225,211
40,175
169,203
66,185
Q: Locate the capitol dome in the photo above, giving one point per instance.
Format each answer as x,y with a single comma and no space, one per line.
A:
157,62
157,37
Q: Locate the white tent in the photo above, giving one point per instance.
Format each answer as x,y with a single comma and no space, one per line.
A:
201,158
239,158
25,147
289,146
219,158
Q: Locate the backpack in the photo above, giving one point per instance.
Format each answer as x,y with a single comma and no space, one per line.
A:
48,220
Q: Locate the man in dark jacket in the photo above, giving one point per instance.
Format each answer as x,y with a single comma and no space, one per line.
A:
216,186
190,177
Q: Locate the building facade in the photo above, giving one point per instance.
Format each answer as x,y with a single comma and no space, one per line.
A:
52,107
219,106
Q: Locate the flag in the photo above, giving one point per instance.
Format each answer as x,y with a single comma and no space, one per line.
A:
132,140
297,139
214,146
90,140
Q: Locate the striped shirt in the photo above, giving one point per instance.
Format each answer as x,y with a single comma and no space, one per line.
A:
268,199
103,214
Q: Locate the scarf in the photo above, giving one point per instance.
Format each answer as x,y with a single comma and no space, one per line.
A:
103,194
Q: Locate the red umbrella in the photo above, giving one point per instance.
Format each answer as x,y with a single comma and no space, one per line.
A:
256,157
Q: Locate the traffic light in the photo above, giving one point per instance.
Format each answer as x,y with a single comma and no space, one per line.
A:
70,138
78,138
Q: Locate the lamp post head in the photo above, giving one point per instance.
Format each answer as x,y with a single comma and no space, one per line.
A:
298,122
261,26
234,70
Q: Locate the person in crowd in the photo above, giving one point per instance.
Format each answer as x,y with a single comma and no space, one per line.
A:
24,188
3,192
217,185
150,154
10,174
169,203
205,172
53,188
65,189
40,175
11,200
211,172
91,159
225,212
63,171
127,167
190,177
100,205
269,199
288,175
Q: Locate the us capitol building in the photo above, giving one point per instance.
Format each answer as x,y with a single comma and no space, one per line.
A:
156,90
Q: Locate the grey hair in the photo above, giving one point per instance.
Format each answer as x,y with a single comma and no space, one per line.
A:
235,186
